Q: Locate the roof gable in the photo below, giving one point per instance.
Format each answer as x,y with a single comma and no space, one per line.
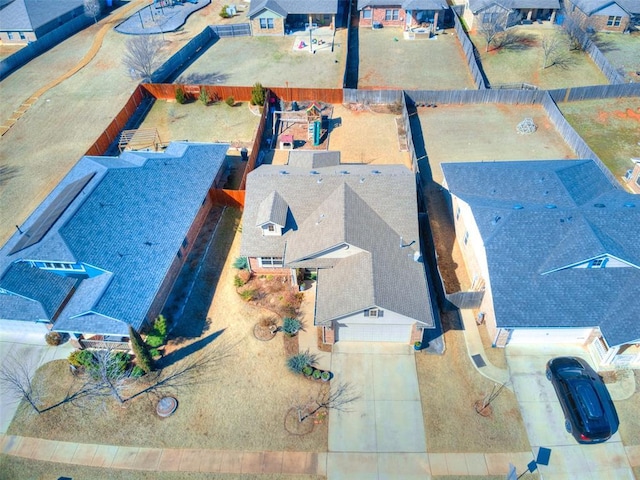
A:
273,209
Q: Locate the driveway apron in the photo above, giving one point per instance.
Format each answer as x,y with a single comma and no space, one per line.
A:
382,433
544,421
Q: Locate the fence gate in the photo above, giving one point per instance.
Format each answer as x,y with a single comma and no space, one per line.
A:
235,30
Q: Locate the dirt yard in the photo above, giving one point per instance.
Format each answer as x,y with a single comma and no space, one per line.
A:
522,61
610,127
475,133
243,408
428,64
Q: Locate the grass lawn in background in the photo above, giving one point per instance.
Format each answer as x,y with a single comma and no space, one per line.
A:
271,61
623,52
522,61
387,60
610,127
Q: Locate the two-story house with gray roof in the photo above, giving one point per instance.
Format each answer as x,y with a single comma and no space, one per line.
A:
356,226
557,246
277,17
102,251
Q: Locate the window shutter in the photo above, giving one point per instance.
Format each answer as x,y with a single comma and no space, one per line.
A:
380,313
366,313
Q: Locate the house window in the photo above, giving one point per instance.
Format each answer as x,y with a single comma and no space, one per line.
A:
466,237
266,23
22,37
271,262
457,213
59,266
638,180
374,312
10,35
185,243
614,21
598,263
366,14
271,227
392,14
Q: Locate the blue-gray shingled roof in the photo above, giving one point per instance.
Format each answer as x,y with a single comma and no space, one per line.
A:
536,219
406,4
130,222
294,7
30,15
606,7
273,209
371,208
478,5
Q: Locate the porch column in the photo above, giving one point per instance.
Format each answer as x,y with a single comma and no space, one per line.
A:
434,27
333,22
610,356
529,14
553,17
310,21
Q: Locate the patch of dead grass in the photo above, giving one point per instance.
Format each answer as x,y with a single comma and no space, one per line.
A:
449,387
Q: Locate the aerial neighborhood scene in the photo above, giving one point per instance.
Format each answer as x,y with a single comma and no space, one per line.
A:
320,239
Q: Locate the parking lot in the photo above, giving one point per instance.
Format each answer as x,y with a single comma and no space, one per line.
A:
544,420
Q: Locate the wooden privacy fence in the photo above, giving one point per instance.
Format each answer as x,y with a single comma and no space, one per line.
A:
471,54
372,96
230,198
257,141
593,92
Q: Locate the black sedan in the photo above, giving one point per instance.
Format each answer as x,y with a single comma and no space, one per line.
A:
589,413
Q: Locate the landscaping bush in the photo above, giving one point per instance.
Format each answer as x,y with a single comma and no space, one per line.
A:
119,365
224,12
230,101
154,352
180,96
317,374
307,370
258,94
248,295
154,341
53,338
81,358
241,263
143,357
291,326
204,96
137,372
267,322
160,326
298,362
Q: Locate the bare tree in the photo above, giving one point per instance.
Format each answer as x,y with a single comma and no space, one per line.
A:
142,56
337,398
92,8
577,29
551,49
492,26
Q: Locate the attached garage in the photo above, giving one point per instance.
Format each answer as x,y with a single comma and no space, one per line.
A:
521,336
368,332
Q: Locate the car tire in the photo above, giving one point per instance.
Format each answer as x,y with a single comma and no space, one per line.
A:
548,374
567,426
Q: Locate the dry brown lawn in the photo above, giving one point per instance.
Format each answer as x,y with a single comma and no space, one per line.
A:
24,469
475,133
628,413
242,408
449,387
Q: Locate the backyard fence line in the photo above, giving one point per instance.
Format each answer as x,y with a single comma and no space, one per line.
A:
512,97
595,92
235,30
229,198
326,95
42,44
471,54
381,97
257,141
177,62
572,138
598,57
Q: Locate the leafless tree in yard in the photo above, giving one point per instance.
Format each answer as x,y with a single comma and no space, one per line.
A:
577,29
142,56
92,8
336,398
492,26
554,50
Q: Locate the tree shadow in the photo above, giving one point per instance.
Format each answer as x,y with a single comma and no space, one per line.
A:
353,53
605,45
182,353
203,78
7,173
515,41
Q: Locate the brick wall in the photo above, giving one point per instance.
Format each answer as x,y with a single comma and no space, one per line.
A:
329,335
255,268
416,334
278,27
597,22
378,15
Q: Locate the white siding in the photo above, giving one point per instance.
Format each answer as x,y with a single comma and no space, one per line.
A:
549,335
391,327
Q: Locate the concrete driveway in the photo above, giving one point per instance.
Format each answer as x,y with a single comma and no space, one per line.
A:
30,350
382,436
544,420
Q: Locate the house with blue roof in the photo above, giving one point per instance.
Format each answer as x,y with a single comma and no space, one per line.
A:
604,15
557,247
277,17
508,13
317,215
102,251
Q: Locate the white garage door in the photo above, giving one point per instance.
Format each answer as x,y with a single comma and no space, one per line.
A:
363,332
549,335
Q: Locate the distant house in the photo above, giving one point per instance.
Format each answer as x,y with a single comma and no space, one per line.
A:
555,244
277,17
632,178
23,21
507,13
603,15
103,250
356,227
402,13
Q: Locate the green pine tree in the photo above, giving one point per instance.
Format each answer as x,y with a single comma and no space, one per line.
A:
143,358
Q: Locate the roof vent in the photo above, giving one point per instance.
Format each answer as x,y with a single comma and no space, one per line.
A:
314,172
319,180
284,172
376,172
550,206
361,179
517,206
629,205
343,172
598,205
546,192
496,219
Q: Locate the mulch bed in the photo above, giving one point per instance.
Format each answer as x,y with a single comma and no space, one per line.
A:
291,345
263,333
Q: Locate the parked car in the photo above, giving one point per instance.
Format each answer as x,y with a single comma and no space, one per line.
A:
590,415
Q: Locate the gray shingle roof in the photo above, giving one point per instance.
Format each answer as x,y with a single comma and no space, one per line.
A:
30,15
129,222
478,5
606,7
311,159
528,242
406,4
273,209
367,209
293,7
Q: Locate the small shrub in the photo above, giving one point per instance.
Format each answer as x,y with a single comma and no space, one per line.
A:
291,326
204,96
307,370
154,352
325,376
298,362
245,275
267,322
241,263
248,295
317,374
119,365
237,281
81,358
160,326
258,94
224,12
53,338
137,372
154,341
230,101
181,98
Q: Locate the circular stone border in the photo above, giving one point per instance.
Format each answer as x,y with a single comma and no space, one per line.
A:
264,334
166,406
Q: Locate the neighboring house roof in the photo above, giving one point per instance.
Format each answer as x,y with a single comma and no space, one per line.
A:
30,15
607,7
345,208
273,209
294,7
405,4
479,5
125,226
537,220
313,159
